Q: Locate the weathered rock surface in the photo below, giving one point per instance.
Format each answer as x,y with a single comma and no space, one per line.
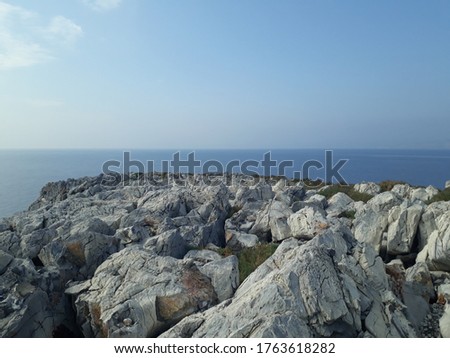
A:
367,188
149,291
403,222
238,241
140,256
307,222
26,308
372,222
224,276
330,287
339,203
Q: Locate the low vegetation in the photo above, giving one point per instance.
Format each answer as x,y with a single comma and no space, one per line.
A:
443,195
349,214
250,258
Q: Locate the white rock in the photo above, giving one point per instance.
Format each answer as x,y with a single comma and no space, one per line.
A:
403,222
169,243
402,190
224,275
339,203
202,256
372,221
423,194
319,200
319,289
152,291
428,220
307,222
437,251
367,188
239,241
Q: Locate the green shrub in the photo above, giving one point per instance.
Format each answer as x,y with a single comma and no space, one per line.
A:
349,214
250,258
443,195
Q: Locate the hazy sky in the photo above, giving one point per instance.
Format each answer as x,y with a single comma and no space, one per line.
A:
224,74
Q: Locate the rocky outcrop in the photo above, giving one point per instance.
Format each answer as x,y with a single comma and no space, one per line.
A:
330,287
32,303
154,255
138,294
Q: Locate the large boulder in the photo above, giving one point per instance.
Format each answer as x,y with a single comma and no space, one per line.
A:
271,222
436,252
423,194
369,188
262,191
224,276
138,294
403,222
169,243
237,241
402,190
307,223
31,302
329,287
339,203
371,223
85,247
427,222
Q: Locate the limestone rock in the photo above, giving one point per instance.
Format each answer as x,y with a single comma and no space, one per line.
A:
169,243
260,192
369,188
202,257
27,309
402,190
238,241
436,252
427,222
372,222
403,222
318,200
154,292
339,203
224,275
78,254
423,194
271,222
307,222
325,288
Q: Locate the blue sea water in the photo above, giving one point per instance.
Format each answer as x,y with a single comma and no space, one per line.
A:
24,172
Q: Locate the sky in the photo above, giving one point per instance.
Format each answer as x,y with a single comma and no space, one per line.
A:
224,74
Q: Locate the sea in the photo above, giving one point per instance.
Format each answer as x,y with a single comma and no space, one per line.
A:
25,172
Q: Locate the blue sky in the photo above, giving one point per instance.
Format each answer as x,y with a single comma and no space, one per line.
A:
224,74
